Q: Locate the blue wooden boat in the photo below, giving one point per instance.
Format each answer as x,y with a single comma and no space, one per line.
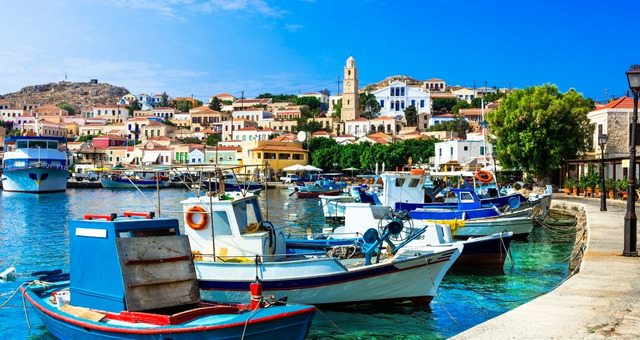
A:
124,182
468,207
134,278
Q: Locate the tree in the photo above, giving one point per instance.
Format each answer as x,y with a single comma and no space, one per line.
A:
461,104
213,139
164,100
216,104
312,103
538,128
190,140
86,138
337,109
68,107
443,104
369,105
459,125
411,115
134,105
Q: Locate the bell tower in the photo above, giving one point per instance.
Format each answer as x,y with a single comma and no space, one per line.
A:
350,95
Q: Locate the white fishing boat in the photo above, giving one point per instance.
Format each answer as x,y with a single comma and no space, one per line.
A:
233,244
34,164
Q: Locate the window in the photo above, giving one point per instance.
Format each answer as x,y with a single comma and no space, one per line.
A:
413,102
402,104
466,197
392,89
440,152
466,148
452,151
414,182
399,182
382,103
392,105
421,102
402,91
482,150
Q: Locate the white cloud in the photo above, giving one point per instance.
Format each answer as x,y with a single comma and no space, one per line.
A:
293,28
176,9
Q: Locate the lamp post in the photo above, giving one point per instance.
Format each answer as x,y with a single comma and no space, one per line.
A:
630,220
602,141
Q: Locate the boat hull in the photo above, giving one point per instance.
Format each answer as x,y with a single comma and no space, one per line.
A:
284,322
329,282
35,180
521,227
126,184
316,194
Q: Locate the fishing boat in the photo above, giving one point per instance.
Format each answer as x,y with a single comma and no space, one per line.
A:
134,278
34,164
122,181
484,252
233,243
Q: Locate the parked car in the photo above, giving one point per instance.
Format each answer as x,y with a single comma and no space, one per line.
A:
89,176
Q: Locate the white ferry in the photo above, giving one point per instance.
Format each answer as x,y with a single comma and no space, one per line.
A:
34,164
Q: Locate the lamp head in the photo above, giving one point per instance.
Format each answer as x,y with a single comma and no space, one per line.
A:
602,140
633,76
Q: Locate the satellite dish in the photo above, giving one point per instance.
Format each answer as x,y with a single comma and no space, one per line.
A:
302,136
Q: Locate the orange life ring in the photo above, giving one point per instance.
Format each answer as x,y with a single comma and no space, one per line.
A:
484,176
204,219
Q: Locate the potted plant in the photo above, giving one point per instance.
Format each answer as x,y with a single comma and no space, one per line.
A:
622,185
567,186
583,184
575,185
610,187
593,182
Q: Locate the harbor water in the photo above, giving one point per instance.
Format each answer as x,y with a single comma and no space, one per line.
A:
34,237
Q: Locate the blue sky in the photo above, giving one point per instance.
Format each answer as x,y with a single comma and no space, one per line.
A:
204,47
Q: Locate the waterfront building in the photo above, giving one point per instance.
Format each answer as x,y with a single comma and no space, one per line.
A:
613,119
252,134
4,104
397,96
116,155
278,155
225,97
462,152
112,113
361,127
107,141
287,114
43,128
223,155
241,104
253,114
465,94
350,95
435,85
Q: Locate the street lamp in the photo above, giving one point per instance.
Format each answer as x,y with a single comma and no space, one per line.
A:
602,141
630,220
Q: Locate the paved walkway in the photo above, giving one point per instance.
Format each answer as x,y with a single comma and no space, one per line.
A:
601,301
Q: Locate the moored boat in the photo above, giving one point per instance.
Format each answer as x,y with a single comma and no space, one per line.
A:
34,164
134,278
242,245
118,181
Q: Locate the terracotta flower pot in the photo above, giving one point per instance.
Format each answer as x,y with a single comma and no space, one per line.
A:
612,194
567,190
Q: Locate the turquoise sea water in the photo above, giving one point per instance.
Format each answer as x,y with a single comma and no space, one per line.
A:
33,236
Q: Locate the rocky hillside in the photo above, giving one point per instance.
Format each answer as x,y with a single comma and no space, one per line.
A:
385,82
78,95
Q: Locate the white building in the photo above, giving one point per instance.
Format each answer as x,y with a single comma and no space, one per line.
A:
462,152
255,115
397,96
112,113
465,94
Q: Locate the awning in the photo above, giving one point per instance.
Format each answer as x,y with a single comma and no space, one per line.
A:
150,157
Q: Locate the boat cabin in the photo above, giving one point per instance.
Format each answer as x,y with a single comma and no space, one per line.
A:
129,263
231,227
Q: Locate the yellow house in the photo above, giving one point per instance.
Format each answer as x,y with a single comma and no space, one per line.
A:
278,155
72,129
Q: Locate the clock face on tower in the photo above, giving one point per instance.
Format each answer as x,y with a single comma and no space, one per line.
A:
348,83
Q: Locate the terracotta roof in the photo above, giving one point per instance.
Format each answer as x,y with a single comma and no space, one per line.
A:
160,138
286,138
223,95
268,147
108,106
110,136
445,115
320,133
163,108
384,118
225,148
620,103
433,79
346,136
